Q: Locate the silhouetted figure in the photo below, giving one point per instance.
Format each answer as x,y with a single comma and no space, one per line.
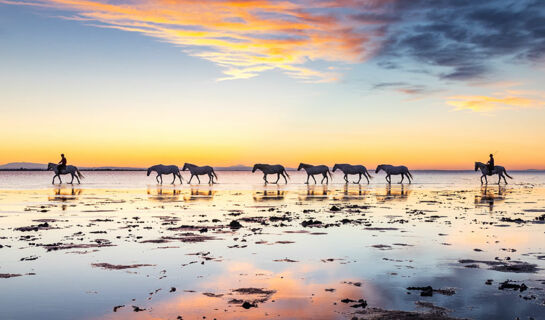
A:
62,164
490,164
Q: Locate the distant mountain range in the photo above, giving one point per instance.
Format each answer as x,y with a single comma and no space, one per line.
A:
41,166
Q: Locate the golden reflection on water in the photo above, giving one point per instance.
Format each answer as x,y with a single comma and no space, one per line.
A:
490,196
395,193
266,195
162,194
200,193
315,192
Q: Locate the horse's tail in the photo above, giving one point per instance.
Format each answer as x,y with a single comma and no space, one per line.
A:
505,172
81,176
287,173
409,173
368,175
329,172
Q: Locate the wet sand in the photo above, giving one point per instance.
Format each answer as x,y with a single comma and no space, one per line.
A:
317,252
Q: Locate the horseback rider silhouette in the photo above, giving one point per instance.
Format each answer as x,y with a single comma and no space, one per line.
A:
62,164
490,164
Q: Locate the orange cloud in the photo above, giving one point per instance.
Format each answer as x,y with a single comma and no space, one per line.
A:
510,100
245,38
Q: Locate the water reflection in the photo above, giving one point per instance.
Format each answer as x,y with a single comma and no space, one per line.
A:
490,196
200,193
352,192
63,194
163,194
266,195
315,192
394,193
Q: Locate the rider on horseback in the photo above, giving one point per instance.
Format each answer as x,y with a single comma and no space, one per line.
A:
62,164
490,164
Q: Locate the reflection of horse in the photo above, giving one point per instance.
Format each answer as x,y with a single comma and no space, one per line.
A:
72,170
63,195
269,195
271,169
312,170
488,197
164,195
200,194
394,170
162,169
499,170
354,193
394,195
198,171
316,193
350,169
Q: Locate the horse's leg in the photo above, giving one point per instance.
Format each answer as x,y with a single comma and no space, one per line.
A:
359,179
180,177
402,177
53,181
277,177
482,179
190,179
78,179
173,178
345,178
486,180
408,177
366,178
389,178
308,176
72,182
265,178
161,177
198,178
499,178
157,178
285,179
504,178
210,179
313,179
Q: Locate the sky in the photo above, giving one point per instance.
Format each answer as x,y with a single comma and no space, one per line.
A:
428,84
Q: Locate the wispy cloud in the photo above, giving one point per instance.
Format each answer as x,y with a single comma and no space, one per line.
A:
244,37
508,100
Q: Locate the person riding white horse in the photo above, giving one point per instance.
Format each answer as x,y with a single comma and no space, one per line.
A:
197,171
271,169
394,170
162,169
485,170
312,170
352,169
72,170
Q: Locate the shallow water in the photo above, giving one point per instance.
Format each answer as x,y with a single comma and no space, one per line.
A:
381,241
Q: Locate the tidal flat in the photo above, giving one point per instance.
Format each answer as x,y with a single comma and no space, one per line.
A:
249,251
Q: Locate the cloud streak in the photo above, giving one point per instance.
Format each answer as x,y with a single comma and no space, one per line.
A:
507,100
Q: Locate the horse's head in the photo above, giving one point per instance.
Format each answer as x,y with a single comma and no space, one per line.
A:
478,165
379,167
335,167
186,166
255,167
50,166
149,171
301,166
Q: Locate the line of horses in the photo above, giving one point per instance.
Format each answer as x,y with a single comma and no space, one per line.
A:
280,171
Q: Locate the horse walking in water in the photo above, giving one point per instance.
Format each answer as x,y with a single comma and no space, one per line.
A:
162,169
499,170
312,170
197,171
68,170
350,169
271,169
394,170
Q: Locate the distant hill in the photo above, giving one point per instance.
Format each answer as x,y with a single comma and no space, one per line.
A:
23,165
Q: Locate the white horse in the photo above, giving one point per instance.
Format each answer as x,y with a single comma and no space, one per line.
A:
162,169
197,171
68,170
312,170
350,169
394,170
271,169
499,170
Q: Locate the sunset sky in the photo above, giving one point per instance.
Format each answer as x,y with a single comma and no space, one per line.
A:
429,84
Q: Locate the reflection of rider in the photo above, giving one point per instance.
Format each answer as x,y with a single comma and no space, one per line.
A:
490,164
62,163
